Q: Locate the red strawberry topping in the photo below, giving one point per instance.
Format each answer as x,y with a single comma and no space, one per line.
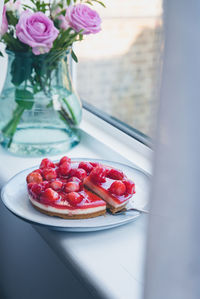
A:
117,188
79,173
115,174
98,174
49,174
37,189
74,179
72,187
65,168
50,195
56,185
64,159
30,185
46,163
86,166
34,177
38,170
45,185
74,198
94,164
130,186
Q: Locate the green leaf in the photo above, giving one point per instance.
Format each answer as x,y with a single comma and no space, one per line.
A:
27,6
12,20
1,54
89,2
101,3
24,98
68,2
80,36
74,56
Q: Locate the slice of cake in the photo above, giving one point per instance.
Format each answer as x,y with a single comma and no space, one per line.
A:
76,190
111,185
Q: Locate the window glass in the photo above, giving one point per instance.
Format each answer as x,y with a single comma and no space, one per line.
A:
118,67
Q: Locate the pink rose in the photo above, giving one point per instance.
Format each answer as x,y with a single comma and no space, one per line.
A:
37,31
15,7
63,24
4,25
81,16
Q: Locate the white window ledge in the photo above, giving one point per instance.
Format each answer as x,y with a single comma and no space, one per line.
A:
110,262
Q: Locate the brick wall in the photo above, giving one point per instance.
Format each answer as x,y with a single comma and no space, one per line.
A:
118,68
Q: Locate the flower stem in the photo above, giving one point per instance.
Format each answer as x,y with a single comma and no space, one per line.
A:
10,129
73,117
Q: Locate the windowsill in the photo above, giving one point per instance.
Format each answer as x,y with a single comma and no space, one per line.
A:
110,262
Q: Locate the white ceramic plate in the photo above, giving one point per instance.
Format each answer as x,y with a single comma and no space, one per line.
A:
15,198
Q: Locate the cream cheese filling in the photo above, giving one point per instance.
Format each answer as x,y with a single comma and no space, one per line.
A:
66,211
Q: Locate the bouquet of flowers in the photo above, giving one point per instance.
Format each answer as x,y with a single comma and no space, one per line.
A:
41,33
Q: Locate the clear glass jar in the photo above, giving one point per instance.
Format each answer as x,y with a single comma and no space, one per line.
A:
39,110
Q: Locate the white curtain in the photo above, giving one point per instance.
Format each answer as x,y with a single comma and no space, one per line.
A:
173,246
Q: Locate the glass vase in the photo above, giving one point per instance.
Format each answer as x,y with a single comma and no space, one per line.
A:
39,110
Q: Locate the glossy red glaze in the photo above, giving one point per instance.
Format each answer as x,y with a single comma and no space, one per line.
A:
79,173
46,163
34,177
115,174
130,186
74,179
98,174
49,174
56,185
64,159
64,168
117,188
49,196
72,187
86,166
37,189
74,198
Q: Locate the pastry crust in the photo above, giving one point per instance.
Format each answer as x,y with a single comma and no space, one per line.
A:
115,210
67,216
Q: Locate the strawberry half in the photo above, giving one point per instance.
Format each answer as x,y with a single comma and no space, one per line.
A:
118,188
50,195
79,173
74,198
86,166
115,174
98,174
49,174
130,186
64,168
56,185
64,159
46,163
72,187
34,177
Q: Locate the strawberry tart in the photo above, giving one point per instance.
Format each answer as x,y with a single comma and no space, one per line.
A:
76,190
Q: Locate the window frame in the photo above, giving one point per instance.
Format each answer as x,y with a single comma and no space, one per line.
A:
120,125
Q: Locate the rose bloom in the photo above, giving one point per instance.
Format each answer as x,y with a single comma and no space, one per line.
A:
82,17
15,7
37,31
63,24
4,25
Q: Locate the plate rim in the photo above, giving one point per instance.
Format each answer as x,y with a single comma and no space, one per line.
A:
77,228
